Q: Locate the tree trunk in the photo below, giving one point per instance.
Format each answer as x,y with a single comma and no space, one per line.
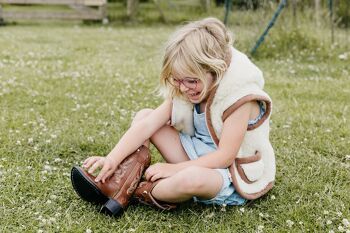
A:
159,8
206,5
1,19
294,7
331,18
317,13
131,8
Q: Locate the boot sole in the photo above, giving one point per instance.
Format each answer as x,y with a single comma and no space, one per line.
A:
85,188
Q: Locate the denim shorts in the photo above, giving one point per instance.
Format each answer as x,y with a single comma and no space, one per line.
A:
227,195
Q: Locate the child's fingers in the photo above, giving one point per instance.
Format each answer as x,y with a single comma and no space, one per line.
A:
96,165
151,176
102,174
148,174
150,171
156,177
86,161
89,161
107,174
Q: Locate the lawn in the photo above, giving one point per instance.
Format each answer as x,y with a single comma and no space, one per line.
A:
68,91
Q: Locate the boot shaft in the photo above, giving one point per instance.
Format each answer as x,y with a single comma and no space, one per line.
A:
122,184
119,187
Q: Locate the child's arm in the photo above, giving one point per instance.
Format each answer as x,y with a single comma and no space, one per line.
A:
234,129
233,132
135,136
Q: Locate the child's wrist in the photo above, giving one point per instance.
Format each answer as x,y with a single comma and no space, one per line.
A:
112,158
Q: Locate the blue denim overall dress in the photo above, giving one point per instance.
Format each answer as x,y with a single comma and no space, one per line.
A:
201,144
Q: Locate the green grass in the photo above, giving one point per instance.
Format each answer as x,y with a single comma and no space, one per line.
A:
68,91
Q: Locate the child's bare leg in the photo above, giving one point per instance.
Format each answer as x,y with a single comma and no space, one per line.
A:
166,140
168,143
201,182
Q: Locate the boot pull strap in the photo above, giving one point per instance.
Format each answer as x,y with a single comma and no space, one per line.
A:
163,206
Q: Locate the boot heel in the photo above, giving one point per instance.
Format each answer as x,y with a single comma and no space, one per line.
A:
112,208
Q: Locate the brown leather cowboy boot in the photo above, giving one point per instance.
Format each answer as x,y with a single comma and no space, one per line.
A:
116,192
143,194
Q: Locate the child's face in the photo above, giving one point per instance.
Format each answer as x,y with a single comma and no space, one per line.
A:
192,87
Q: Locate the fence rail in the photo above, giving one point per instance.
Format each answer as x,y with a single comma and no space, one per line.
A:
55,2
81,10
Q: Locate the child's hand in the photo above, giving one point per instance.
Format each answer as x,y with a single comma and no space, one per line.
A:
160,170
108,167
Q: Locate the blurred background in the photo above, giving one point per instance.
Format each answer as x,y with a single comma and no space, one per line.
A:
294,18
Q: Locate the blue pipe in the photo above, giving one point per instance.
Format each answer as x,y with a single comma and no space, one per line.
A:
228,6
282,4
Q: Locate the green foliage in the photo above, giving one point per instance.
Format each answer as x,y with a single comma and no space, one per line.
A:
175,12
343,13
243,4
293,43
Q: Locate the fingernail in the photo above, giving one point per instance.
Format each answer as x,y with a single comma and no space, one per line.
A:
96,180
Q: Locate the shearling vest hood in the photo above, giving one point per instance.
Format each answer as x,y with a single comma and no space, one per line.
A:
253,170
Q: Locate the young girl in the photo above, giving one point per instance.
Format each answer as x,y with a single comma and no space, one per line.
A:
212,128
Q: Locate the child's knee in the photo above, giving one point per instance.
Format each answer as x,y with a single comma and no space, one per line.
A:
190,180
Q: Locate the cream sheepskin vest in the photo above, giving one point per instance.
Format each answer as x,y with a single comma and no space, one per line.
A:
253,170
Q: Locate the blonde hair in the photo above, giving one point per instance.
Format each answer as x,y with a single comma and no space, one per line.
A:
193,50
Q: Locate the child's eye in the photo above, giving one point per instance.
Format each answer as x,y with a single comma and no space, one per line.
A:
192,81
